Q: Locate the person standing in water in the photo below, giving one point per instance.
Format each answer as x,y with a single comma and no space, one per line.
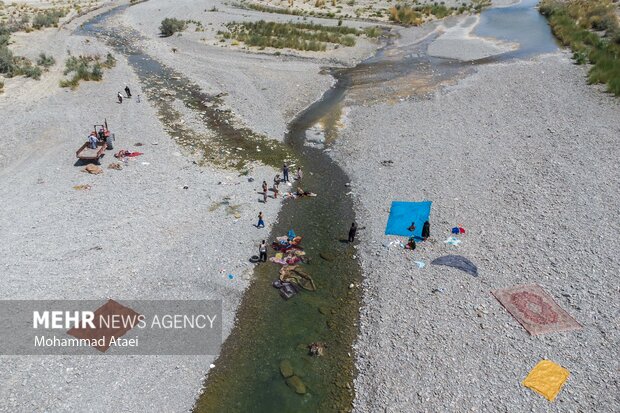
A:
262,250
285,173
261,223
300,174
352,232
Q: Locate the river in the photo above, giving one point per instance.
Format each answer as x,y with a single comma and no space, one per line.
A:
270,329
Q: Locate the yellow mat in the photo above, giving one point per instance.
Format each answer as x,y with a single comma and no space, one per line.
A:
546,378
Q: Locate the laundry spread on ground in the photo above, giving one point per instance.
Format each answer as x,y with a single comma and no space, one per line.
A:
403,214
457,261
535,310
452,241
289,254
546,379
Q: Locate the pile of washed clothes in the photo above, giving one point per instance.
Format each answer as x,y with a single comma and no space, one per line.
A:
290,254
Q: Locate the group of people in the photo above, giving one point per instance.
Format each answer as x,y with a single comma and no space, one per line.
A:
127,94
426,232
95,137
262,248
277,180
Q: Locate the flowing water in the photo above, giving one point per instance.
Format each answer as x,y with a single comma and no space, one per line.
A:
247,376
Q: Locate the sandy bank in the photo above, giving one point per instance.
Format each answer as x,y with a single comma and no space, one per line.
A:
458,42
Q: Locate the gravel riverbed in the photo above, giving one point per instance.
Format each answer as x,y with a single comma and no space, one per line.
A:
523,155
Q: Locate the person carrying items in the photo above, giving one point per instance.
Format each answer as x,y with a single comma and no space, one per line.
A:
262,250
120,97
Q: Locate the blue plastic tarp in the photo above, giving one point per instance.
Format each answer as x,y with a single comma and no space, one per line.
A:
402,214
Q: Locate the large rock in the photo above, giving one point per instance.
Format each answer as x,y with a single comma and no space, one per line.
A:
286,369
296,384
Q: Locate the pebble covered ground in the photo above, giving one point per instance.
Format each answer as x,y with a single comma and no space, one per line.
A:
137,233
523,155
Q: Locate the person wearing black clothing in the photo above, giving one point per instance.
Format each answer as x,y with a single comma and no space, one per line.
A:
127,91
426,230
352,232
262,250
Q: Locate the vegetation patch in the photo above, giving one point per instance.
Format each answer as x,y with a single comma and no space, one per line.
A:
11,65
45,61
298,36
592,31
48,18
170,26
277,10
414,14
87,68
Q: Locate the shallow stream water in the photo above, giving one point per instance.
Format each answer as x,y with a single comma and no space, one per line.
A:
269,330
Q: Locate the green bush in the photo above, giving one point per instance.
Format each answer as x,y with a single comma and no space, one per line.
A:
299,36
33,72
96,73
110,61
572,23
170,26
45,61
86,68
48,18
5,34
7,64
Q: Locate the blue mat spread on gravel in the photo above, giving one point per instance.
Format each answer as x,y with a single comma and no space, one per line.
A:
402,214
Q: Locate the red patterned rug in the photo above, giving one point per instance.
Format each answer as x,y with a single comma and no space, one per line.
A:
113,314
535,310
